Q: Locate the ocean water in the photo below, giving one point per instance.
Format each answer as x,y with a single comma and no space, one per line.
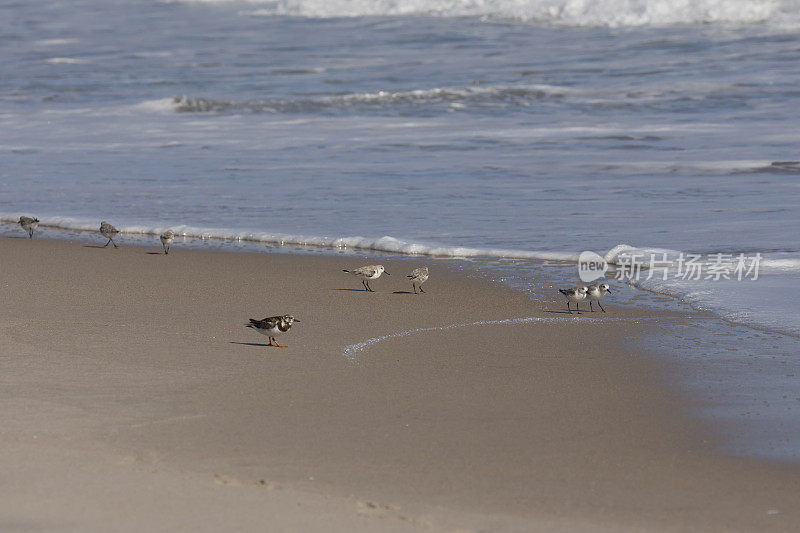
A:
523,130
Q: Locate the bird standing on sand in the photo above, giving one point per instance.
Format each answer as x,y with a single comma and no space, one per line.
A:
273,326
575,294
418,276
595,293
109,232
29,224
367,273
166,240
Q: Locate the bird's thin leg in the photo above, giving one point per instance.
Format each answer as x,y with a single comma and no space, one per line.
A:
368,287
420,288
276,343
364,283
112,242
578,307
415,288
590,306
601,307
568,309
30,234
106,244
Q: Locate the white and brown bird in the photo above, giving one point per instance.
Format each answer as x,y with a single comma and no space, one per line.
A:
418,276
109,232
367,273
29,224
596,292
166,240
273,326
575,294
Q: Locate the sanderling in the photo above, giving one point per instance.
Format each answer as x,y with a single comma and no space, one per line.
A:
273,326
166,240
596,292
109,232
418,276
575,294
367,273
29,224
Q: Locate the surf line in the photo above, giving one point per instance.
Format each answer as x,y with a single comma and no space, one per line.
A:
351,351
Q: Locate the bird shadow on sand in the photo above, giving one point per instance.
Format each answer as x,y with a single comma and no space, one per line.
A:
94,246
254,344
351,290
156,253
402,292
565,312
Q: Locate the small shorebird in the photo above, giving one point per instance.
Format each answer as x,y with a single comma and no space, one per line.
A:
29,224
367,273
575,294
596,292
166,240
418,276
273,326
109,232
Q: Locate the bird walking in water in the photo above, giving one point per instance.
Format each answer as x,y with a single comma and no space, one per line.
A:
418,276
595,293
166,240
575,294
367,273
109,232
273,326
29,224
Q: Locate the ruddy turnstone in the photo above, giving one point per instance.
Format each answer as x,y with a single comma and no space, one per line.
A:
595,293
166,240
109,232
418,276
29,224
575,294
273,326
367,273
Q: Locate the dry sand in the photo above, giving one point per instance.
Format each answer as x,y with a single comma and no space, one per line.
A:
134,399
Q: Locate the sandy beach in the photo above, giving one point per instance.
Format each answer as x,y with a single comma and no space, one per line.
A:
134,399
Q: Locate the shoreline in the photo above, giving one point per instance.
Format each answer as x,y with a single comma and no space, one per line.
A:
145,360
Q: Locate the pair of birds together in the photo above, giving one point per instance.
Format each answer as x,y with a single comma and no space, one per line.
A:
277,325
418,276
578,294
108,231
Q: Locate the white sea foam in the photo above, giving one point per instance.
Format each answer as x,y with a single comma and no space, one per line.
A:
381,244
612,13
66,61
55,42
351,351
162,105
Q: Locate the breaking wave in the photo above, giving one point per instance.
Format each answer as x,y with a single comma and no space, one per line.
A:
580,13
476,96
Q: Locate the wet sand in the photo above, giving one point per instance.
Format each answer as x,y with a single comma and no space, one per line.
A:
133,398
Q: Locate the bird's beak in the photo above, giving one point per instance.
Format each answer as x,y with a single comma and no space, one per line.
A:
386,273
608,291
297,320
